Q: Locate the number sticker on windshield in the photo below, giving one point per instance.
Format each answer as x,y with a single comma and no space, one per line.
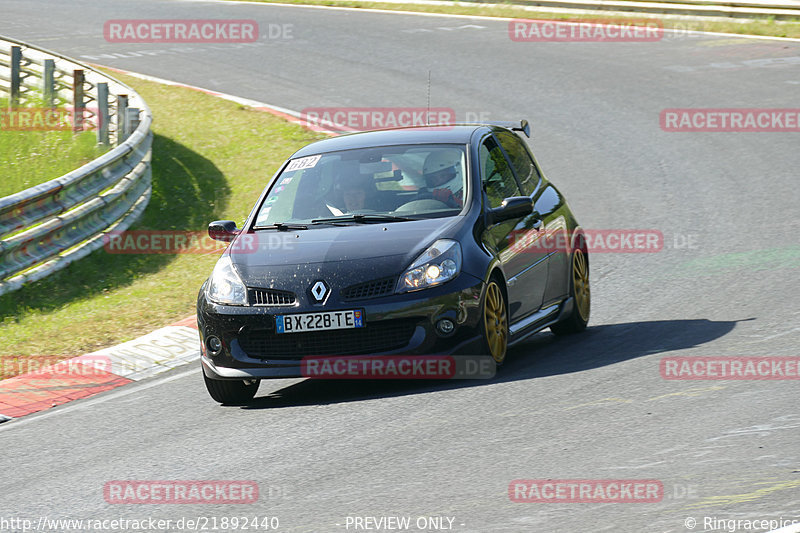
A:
303,163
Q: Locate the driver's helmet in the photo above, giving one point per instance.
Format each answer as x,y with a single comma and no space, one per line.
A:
440,167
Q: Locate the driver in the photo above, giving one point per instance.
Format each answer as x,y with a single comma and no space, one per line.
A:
442,177
354,194
354,190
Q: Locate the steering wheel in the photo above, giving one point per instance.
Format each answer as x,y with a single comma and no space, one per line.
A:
422,205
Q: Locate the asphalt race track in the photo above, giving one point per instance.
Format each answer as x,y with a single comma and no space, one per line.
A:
593,406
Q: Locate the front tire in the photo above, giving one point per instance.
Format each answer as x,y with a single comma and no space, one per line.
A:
231,392
495,322
581,296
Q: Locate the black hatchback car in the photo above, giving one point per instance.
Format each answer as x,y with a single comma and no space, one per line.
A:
414,241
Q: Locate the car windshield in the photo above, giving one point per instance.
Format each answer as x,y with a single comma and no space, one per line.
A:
379,184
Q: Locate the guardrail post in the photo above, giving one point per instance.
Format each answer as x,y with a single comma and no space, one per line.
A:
49,83
102,113
77,100
16,66
122,118
132,119
46,227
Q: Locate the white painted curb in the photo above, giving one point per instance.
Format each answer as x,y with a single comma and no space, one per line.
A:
151,354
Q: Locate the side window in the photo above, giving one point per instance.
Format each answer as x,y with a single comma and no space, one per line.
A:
523,165
497,178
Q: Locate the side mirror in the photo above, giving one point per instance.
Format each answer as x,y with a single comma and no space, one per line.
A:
223,230
512,207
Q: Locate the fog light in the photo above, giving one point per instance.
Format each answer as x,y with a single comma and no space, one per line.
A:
445,326
214,345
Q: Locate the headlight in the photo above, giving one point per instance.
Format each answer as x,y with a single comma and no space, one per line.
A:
439,263
225,286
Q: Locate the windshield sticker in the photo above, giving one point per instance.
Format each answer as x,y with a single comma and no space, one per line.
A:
303,163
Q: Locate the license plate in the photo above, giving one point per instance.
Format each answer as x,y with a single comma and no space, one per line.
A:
302,322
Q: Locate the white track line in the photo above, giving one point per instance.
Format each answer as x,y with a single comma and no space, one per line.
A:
237,99
295,117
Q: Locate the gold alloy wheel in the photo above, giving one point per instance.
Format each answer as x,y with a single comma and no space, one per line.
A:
495,323
580,281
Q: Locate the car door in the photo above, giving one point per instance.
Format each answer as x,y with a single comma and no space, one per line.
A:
541,243
525,274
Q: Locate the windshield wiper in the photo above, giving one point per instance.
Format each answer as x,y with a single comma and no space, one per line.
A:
362,219
282,226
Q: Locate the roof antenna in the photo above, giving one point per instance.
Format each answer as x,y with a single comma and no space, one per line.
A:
428,114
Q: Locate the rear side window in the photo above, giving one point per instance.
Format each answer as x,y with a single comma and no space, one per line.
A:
523,165
496,176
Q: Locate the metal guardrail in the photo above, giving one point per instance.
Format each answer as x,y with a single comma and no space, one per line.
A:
48,226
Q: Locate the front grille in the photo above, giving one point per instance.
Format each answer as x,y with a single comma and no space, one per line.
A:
373,338
369,289
270,297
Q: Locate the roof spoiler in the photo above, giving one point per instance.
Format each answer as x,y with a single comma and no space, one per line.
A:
522,126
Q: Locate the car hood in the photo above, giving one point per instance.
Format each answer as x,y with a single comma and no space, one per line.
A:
357,252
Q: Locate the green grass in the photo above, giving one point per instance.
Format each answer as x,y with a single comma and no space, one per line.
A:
28,158
211,159
765,27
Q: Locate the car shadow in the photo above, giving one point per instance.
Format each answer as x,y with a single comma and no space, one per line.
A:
543,354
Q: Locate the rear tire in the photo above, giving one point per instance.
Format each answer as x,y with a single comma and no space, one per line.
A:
231,392
580,293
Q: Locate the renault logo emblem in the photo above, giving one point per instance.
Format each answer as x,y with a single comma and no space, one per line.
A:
319,290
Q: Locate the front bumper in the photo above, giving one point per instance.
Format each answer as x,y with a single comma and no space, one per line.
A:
252,350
